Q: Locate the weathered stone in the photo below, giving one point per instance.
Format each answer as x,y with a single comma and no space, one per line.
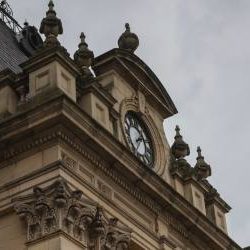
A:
128,40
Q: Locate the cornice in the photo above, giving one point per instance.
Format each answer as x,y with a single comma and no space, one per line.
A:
46,56
103,94
187,176
56,168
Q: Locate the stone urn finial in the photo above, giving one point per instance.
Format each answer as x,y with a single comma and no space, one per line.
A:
84,57
202,169
179,149
97,227
128,40
51,27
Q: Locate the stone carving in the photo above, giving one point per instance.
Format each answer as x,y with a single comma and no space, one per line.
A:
113,237
180,150
69,161
84,58
58,208
29,39
53,209
51,27
128,41
202,169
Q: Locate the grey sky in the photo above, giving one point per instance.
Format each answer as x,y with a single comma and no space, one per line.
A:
200,51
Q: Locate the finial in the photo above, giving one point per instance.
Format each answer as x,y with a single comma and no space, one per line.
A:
51,27
128,41
51,5
97,226
180,149
82,37
84,57
3,2
199,152
202,169
26,23
177,129
127,26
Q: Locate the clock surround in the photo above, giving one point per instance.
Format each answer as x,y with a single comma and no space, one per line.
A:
138,138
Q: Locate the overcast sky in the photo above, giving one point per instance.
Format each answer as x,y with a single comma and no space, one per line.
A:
200,51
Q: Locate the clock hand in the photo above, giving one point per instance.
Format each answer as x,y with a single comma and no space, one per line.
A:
140,138
138,145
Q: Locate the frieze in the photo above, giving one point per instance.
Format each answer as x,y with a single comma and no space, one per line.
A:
104,189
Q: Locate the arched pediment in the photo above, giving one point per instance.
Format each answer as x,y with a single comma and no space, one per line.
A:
138,75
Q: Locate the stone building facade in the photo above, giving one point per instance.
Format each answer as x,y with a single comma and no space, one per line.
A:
84,160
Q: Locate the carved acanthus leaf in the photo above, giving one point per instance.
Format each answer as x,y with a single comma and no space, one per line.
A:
55,208
58,208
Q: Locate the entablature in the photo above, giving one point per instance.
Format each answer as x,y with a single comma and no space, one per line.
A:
158,195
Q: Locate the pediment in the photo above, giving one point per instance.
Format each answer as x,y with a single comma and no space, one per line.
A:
138,75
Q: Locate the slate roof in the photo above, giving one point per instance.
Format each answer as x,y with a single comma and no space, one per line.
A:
10,53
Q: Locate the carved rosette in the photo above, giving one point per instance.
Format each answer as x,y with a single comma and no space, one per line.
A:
59,209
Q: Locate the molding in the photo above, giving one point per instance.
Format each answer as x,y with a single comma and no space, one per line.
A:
56,168
165,241
131,67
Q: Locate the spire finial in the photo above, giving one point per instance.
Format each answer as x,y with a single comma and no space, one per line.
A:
199,152
84,57
97,226
51,5
51,26
26,23
180,149
82,37
128,40
202,169
127,26
177,129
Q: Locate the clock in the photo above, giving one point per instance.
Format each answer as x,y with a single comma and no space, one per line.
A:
138,138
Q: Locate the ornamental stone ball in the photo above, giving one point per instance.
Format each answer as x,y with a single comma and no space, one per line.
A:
179,149
128,40
51,27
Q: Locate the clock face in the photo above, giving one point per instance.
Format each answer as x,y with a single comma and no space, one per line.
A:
138,139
